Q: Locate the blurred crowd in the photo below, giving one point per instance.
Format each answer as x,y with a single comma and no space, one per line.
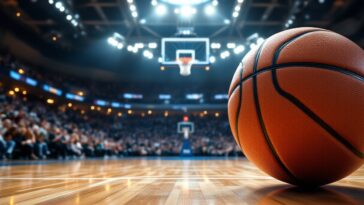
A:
30,129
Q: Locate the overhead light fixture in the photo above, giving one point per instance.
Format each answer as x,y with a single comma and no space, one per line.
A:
134,14
154,2
235,14
209,10
215,45
161,10
187,11
132,7
239,49
212,59
226,21
69,17
148,54
224,54
152,45
231,45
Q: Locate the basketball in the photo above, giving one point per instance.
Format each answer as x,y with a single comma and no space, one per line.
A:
296,106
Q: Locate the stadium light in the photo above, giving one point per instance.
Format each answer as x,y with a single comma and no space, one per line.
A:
231,45
215,45
139,45
132,7
239,49
187,11
235,14
112,41
161,10
226,21
224,54
59,5
154,2
212,59
209,10
134,14
148,54
152,45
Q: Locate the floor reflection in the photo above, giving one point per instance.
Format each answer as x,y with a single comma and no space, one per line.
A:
326,195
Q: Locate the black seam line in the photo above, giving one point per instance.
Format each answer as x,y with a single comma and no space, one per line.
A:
278,51
307,110
239,106
314,117
310,65
262,125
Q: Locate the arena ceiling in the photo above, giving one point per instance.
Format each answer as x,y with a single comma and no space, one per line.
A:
78,34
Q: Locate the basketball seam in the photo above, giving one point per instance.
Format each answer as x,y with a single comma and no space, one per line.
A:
311,65
262,124
305,108
239,106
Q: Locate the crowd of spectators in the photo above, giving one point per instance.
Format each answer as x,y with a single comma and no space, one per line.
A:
31,129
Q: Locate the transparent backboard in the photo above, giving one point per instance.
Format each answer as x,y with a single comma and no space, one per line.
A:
175,48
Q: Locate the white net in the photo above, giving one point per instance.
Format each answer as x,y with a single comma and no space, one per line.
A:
185,65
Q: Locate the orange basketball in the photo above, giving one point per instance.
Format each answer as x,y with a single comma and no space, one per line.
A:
296,106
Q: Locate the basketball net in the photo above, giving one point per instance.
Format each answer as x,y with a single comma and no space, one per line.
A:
185,64
186,132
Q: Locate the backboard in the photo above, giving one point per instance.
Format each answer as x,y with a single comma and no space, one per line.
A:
175,51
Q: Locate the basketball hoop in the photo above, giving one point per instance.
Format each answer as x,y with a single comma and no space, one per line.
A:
185,64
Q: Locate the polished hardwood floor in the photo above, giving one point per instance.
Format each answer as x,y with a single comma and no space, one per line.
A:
162,181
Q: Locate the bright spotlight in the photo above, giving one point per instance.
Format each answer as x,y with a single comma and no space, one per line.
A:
161,10
132,7
226,21
50,1
212,59
130,48
134,14
240,1
209,10
148,54
224,54
62,9
74,22
112,41
237,8
215,45
239,49
235,14
120,46
152,45
69,17
215,2
139,45
143,21
231,45
176,10
59,5
154,2
130,1
187,11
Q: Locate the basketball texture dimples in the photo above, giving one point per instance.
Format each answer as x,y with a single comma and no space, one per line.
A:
296,106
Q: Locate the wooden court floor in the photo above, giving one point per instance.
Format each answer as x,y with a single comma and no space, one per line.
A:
156,181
